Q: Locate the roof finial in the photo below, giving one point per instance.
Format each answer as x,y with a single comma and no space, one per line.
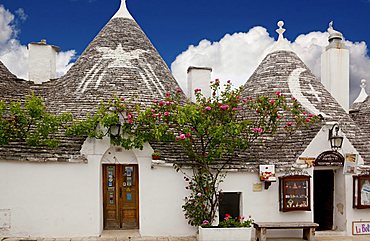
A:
282,43
280,30
334,34
123,11
363,95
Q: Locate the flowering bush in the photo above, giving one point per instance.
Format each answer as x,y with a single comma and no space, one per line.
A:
210,132
230,222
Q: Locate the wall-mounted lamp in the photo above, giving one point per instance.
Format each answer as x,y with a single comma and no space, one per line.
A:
336,141
114,130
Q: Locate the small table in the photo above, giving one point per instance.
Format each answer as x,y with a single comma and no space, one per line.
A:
308,228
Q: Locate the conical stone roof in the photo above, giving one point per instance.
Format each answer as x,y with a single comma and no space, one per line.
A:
120,61
284,71
11,88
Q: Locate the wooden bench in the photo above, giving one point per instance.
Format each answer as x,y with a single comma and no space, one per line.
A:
308,228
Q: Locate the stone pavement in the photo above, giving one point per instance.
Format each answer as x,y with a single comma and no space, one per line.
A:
133,235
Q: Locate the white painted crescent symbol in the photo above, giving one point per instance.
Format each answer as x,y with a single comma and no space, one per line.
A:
295,89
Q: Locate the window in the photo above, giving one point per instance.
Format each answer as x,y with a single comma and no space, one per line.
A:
229,204
361,191
294,193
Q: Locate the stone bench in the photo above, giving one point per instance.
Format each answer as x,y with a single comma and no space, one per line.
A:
308,228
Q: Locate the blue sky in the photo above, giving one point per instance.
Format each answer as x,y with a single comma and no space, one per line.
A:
212,29
172,25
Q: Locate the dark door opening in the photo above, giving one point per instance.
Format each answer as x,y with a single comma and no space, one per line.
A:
229,204
323,198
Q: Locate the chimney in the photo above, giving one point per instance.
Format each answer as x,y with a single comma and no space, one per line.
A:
335,68
199,78
42,61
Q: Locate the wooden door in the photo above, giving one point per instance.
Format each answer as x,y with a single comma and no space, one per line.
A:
323,198
121,196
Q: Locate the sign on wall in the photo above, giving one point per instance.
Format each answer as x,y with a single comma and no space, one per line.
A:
361,228
267,173
329,158
350,163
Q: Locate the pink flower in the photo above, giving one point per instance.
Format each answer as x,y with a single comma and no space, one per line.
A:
130,121
272,102
235,109
129,116
152,110
168,94
122,99
208,108
289,123
308,120
310,115
155,101
229,81
188,135
257,130
278,93
205,222
178,90
224,107
199,194
168,103
166,113
197,90
182,136
244,100
161,103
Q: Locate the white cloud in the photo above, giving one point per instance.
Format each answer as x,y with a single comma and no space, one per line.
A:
21,14
236,56
14,55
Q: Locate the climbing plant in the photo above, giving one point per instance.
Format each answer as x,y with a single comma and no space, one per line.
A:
209,132
30,122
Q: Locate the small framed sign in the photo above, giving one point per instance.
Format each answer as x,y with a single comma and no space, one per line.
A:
267,173
361,228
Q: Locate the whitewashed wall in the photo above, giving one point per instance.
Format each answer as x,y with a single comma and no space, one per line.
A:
65,199
50,199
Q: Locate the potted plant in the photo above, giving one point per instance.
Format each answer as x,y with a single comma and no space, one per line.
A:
156,155
230,229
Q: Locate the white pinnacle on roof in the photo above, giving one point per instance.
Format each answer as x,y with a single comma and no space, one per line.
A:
123,11
282,43
334,34
363,95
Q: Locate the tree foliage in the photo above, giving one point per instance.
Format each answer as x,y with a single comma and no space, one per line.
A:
210,131
30,122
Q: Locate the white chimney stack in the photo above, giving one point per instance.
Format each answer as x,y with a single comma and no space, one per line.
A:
199,78
42,61
335,68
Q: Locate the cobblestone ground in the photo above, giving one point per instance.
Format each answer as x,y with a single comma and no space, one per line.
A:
135,236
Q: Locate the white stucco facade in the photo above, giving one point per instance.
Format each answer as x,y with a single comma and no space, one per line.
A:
65,199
